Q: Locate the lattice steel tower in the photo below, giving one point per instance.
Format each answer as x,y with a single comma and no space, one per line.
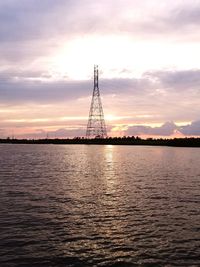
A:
96,127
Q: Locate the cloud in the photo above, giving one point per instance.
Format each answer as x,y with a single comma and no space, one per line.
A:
166,129
39,39
191,129
185,15
158,95
30,91
39,87
60,133
33,19
177,20
28,20
176,79
33,30
70,132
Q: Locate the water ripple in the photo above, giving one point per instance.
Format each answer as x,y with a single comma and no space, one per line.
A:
99,206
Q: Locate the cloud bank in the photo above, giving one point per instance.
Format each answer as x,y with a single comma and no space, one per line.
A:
148,52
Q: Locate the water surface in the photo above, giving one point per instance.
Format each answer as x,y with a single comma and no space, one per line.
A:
81,205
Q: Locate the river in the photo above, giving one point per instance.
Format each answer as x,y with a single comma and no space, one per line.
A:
87,205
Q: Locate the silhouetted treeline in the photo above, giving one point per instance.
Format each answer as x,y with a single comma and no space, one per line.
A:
179,142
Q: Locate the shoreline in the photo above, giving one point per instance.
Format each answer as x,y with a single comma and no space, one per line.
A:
130,141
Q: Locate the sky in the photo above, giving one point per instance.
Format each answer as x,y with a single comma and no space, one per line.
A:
149,67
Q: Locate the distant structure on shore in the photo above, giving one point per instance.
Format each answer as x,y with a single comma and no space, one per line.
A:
96,127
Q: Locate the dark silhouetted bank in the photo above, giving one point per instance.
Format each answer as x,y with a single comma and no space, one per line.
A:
178,142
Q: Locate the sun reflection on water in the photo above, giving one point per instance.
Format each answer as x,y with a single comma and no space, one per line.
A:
109,174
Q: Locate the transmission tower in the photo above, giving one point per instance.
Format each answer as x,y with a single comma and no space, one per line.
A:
96,127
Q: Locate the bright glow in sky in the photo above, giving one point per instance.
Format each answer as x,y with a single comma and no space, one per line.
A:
148,56
122,52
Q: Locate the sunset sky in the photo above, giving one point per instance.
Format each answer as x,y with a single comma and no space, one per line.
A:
148,52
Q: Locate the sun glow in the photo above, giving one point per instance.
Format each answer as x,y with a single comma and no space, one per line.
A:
74,60
120,56
111,117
